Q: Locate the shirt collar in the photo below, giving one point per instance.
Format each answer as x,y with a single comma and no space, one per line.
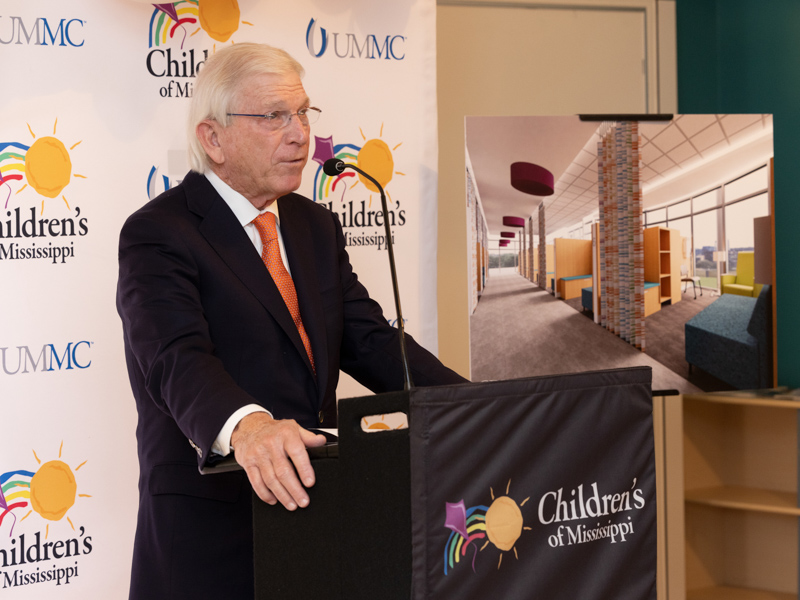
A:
244,211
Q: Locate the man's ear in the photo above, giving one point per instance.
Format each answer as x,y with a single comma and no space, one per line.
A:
207,133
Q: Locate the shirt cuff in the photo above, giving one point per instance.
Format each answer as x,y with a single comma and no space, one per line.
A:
222,445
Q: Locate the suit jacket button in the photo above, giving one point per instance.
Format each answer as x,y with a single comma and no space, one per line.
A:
321,417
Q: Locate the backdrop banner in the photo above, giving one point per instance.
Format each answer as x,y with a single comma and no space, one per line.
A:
535,488
93,126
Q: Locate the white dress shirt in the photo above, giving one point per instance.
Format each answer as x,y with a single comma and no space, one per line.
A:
245,212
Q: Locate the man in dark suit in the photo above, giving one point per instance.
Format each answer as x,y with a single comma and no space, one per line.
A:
219,356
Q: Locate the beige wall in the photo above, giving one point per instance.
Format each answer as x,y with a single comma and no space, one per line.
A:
533,58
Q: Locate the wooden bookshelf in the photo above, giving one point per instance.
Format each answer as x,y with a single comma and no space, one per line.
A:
662,261
740,497
731,593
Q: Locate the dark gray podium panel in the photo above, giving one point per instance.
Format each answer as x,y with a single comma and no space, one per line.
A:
353,541
531,488
375,485
297,553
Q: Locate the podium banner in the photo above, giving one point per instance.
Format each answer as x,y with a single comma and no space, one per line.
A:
535,488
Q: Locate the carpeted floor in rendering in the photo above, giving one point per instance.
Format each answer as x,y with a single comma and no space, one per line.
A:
520,330
666,339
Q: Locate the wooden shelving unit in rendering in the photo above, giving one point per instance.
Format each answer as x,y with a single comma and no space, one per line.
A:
662,261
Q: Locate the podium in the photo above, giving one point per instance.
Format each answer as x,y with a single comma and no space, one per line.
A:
532,488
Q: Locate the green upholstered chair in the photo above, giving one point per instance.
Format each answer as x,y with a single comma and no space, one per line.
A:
743,282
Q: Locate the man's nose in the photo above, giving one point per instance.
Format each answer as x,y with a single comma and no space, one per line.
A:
296,130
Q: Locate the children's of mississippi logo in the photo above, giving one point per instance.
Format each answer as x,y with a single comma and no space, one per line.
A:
39,170
566,518
345,193
220,19
45,165
172,24
50,491
500,523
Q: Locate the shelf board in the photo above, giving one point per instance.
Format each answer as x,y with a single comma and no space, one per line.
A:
744,498
735,593
744,399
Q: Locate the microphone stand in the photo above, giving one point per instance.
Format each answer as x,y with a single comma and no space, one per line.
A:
408,383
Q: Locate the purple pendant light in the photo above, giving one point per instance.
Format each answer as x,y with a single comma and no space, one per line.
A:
513,222
531,179
508,234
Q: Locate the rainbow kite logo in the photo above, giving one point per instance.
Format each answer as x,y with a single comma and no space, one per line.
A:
374,157
218,18
501,522
45,165
50,492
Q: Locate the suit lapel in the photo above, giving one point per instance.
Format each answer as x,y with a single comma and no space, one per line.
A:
225,234
299,243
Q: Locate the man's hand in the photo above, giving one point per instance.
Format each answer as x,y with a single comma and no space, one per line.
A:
273,454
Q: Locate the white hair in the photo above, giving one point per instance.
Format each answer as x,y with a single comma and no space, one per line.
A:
219,83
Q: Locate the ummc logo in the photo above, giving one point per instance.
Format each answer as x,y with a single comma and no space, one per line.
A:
157,184
347,45
21,360
68,32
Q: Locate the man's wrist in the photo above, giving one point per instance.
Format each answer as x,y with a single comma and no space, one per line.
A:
223,443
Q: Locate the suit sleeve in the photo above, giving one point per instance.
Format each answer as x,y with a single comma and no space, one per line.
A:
371,347
170,354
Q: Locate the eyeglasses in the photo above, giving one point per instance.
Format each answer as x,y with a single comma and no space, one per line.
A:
278,119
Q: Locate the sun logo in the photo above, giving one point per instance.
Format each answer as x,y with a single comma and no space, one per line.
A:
218,18
501,523
51,491
46,166
374,157
387,422
504,523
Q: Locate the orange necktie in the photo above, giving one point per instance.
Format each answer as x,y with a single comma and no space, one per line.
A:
271,255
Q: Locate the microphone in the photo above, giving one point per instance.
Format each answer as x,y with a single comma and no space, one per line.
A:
333,167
